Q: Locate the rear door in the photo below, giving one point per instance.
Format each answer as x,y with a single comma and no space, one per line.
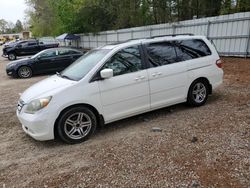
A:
64,59
167,74
127,92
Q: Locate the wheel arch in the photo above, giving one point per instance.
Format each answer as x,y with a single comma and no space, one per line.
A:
11,52
210,88
17,69
99,117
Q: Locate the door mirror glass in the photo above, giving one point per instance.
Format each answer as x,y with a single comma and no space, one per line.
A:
106,73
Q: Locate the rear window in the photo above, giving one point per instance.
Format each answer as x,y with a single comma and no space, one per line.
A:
167,52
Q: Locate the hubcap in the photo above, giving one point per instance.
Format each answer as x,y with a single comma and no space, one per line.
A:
24,72
199,92
78,125
12,56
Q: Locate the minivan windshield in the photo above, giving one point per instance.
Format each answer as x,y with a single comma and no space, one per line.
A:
84,64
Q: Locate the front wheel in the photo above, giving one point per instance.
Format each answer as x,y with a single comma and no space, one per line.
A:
12,56
24,72
76,125
198,93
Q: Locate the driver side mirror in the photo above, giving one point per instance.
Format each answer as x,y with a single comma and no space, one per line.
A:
107,73
19,46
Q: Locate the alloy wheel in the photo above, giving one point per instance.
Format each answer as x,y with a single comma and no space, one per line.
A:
78,125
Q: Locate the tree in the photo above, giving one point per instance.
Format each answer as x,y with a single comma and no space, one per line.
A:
18,27
3,26
53,17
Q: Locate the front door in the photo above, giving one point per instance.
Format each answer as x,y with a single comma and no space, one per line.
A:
46,63
127,92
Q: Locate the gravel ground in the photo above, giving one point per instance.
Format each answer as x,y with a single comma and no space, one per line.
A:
207,146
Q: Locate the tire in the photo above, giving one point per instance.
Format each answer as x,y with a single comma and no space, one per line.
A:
76,125
198,93
12,56
24,72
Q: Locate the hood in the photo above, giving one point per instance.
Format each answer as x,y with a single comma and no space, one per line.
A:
20,61
46,88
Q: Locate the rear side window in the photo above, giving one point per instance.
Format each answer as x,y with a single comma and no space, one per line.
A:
74,52
64,52
191,49
32,43
168,52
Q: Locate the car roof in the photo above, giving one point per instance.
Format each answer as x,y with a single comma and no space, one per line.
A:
63,48
151,39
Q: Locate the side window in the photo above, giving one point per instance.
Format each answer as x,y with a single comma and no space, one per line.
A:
161,53
64,52
125,61
191,49
74,52
24,44
32,43
48,54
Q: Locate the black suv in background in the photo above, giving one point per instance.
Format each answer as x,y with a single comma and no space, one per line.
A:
25,47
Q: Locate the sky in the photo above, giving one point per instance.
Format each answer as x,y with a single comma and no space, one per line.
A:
12,10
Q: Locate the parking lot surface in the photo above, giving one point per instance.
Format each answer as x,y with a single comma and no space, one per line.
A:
207,146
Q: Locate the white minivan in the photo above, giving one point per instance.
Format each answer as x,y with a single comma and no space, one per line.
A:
117,81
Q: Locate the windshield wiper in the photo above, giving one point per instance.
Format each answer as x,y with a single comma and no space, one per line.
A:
64,76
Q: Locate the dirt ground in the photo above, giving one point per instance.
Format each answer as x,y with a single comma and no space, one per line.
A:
207,146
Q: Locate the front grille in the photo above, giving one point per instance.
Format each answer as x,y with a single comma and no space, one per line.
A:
20,105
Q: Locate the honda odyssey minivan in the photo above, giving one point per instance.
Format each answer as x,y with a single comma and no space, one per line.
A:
117,81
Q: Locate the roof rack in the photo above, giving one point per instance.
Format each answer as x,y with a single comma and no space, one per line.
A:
171,35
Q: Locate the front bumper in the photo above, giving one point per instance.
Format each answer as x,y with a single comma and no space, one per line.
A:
3,55
39,126
11,72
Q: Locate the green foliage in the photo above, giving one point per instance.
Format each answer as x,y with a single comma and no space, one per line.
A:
9,27
54,17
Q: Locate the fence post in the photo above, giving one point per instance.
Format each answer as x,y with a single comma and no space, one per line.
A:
132,34
89,40
174,28
96,39
117,35
248,40
208,29
150,32
106,37
82,41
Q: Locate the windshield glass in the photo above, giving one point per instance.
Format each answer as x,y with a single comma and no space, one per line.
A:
84,64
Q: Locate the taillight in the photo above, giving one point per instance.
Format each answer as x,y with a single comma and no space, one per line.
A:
219,63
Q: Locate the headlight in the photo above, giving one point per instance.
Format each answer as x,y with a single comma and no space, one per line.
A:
37,104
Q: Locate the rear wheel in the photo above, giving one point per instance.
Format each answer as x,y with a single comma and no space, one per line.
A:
12,56
24,72
76,125
198,93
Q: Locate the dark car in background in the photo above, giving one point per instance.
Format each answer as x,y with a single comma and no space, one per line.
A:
45,62
25,47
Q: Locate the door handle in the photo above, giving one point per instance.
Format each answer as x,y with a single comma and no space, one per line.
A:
136,79
142,77
156,74
159,73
